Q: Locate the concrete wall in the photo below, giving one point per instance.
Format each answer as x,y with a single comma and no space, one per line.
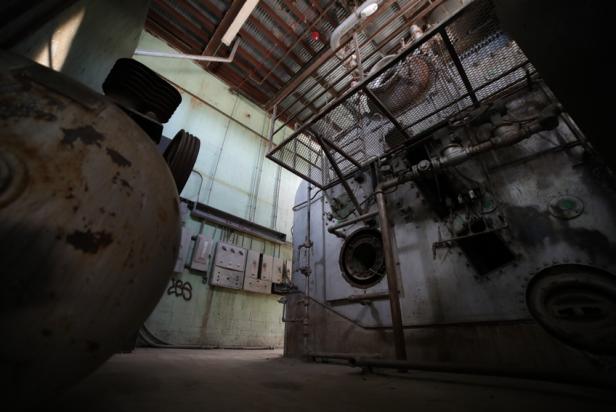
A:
85,40
237,179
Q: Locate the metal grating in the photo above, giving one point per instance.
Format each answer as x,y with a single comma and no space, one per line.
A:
454,66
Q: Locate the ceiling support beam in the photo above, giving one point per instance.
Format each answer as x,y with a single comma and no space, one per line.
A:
216,40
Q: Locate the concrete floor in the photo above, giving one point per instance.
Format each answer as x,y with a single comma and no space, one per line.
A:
155,380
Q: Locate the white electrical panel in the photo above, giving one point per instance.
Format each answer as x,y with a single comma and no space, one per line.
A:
230,257
277,269
252,264
257,285
201,254
183,252
227,278
267,266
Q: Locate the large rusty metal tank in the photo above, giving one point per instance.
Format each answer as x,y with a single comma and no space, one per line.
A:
89,229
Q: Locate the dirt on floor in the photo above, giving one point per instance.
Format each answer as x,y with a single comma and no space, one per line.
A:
153,380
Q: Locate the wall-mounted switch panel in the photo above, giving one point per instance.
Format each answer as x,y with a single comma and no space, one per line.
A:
287,270
252,264
227,278
201,254
230,257
267,267
277,273
257,285
183,252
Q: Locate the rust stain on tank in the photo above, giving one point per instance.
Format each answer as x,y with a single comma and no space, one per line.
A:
117,179
86,134
88,241
11,109
118,159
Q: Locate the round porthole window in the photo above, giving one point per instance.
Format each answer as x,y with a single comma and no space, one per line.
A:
361,258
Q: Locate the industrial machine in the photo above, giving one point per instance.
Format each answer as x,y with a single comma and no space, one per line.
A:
453,212
89,219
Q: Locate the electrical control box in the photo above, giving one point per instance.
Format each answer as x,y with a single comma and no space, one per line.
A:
277,270
256,279
183,252
231,257
201,254
287,270
227,278
252,264
257,285
267,267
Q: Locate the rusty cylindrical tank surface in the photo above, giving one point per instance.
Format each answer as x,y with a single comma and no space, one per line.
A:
89,230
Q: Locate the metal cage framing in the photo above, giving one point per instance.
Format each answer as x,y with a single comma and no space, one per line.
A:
453,67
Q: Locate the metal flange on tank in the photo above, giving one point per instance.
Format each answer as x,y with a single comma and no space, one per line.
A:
89,230
576,303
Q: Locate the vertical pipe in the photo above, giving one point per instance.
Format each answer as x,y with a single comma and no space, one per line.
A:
222,146
274,216
308,247
263,149
392,281
271,130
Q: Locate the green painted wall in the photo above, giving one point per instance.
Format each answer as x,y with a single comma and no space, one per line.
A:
237,179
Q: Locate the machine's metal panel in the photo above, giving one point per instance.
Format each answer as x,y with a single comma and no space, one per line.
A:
267,266
257,285
183,252
441,286
252,264
277,274
227,278
201,254
229,256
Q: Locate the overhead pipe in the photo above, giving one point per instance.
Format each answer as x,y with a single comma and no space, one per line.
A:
366,9
335,228
392,275
547,120
406,9
196,57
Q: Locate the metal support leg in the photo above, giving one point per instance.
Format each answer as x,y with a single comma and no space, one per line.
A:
392,280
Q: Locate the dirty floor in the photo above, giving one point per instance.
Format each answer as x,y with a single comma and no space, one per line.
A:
172,380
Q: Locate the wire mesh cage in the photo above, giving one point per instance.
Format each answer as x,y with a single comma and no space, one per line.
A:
454,66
